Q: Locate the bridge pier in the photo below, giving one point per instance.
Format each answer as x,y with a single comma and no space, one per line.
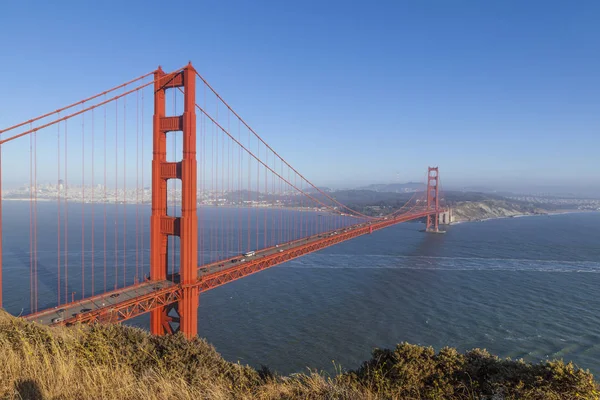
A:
188,311
162,225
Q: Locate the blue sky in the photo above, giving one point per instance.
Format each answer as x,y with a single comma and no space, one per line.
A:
504,94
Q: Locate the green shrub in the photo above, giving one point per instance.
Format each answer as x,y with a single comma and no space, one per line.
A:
411,371
117,362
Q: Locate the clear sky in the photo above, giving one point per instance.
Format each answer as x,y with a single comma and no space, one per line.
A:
504,94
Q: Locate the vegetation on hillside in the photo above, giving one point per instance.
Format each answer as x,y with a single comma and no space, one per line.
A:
375,203
117,362
481,210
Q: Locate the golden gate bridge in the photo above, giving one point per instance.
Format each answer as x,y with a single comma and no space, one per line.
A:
204,155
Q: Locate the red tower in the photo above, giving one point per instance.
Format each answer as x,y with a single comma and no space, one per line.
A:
433,201
162,225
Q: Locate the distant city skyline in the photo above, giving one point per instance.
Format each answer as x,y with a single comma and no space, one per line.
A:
540,190
502,95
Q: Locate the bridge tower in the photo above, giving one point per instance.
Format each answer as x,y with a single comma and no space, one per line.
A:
433,201
162,225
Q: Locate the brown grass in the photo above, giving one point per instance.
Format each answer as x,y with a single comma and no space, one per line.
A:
117,362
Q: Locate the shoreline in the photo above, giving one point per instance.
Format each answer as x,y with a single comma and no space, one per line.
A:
549,213
121,203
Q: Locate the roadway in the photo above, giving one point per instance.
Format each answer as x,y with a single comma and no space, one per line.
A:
128,302
223,265
103,301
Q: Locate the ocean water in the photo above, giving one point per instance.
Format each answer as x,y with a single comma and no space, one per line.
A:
519,287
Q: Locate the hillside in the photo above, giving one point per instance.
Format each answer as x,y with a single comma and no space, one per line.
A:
117,362
486,209
395,187
467,206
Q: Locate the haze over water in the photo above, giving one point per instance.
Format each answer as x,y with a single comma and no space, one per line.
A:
520,287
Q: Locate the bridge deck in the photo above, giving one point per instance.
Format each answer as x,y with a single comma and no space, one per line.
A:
107,300
126,303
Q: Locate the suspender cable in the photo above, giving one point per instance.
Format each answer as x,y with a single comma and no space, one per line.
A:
58,230
173,186
66,204
105,199
229,220
202,185
231,190
239,194
257,196
82,205
296,224
116,278
93,216
249,198
274,212
124,190
35,247
266,197
137,184
219,214
212,232
223,214
142,237
31,276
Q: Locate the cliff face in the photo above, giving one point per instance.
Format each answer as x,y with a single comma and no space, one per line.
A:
480,210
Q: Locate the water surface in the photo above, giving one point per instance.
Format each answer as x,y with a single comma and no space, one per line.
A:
520,287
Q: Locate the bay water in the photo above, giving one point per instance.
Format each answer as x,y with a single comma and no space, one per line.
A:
520,287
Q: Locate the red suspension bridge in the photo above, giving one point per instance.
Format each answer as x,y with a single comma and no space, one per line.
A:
223,204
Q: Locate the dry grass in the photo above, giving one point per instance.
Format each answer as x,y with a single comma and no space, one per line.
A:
116,362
